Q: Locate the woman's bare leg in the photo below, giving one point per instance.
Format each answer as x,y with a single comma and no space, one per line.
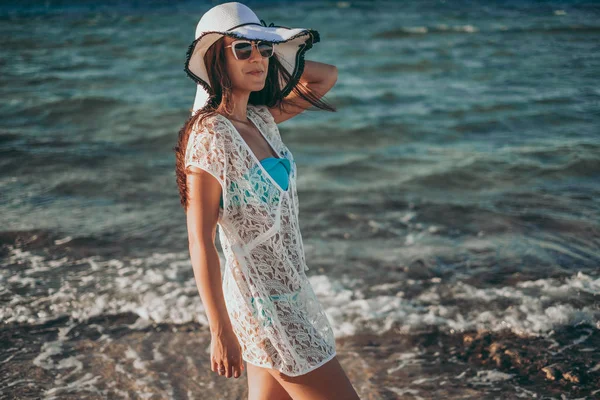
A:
262,385
327,382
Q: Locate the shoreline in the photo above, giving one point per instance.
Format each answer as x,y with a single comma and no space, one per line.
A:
110,356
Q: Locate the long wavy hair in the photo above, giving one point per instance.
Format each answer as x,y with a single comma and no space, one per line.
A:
271,96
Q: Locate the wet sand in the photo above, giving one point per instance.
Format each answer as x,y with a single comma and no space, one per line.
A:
124,357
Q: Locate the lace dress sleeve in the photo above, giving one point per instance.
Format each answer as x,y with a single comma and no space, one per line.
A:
206,150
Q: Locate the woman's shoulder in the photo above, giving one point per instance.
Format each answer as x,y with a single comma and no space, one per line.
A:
213,125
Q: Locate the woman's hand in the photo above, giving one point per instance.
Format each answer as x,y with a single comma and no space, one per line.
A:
225,351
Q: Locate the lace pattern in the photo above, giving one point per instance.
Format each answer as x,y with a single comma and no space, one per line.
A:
274,311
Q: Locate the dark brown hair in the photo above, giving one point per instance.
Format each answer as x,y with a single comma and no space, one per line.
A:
271,96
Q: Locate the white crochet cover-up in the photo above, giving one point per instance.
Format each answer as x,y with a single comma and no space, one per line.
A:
274,311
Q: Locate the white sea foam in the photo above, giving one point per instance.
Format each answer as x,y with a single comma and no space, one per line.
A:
531,307
489,377
161,289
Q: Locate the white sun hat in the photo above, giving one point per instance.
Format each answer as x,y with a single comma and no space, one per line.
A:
239,21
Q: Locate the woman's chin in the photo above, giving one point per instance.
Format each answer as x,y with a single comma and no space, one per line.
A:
257,87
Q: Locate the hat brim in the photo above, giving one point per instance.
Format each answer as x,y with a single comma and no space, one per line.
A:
201,98
290,46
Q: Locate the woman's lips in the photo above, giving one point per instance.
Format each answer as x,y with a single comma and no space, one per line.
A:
258,73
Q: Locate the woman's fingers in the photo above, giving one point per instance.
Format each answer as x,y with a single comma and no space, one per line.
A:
226,356
239,368
228,368
218,367
235,368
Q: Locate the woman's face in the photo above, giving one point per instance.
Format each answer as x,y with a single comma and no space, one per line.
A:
239,70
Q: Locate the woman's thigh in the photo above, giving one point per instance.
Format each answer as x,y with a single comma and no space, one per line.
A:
262,385
329,381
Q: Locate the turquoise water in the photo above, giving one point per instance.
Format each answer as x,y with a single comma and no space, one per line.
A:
455,189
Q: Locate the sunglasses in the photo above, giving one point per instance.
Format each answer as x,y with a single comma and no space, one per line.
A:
242,49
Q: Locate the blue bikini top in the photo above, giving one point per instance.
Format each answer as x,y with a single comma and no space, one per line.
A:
278,168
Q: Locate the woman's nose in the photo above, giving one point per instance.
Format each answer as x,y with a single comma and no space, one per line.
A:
255,53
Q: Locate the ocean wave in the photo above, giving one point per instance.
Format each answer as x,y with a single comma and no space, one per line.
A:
161,289
410,31
422,30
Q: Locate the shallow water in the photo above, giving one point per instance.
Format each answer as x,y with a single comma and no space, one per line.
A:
449,208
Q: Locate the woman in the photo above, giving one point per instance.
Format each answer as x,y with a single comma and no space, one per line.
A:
234,171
